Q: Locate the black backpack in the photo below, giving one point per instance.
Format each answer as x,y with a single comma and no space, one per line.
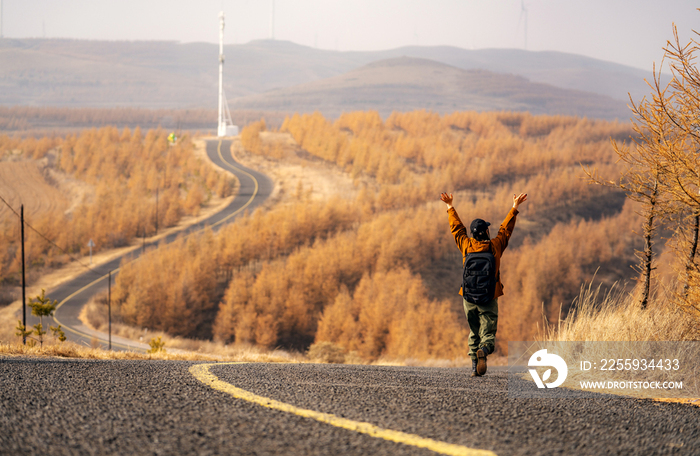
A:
479,278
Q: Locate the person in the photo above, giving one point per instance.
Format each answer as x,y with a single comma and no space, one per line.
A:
482,319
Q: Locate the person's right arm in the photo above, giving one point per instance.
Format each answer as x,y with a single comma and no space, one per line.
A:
459,231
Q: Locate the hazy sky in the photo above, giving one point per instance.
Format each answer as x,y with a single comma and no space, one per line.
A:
631,32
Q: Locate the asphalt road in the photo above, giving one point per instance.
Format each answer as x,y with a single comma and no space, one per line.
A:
74,294
84,407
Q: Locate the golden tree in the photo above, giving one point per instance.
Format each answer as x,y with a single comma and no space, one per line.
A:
678,106
663,167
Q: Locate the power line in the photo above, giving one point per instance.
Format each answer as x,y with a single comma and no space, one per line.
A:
49,240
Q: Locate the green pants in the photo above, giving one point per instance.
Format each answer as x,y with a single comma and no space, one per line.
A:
483,324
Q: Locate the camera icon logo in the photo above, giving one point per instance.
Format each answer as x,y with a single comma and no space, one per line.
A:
543,359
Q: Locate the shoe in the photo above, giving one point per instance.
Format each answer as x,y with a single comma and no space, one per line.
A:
474,374
481,355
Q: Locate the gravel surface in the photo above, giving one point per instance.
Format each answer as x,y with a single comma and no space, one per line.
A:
157,407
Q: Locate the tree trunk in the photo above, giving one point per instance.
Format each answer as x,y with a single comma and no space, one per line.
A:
647,255
691,256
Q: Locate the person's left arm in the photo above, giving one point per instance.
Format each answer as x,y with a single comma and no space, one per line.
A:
506,229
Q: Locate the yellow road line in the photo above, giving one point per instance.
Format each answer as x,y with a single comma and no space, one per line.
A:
75,331
202,373
80,333
252,197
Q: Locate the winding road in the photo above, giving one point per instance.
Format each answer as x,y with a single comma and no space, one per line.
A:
74,294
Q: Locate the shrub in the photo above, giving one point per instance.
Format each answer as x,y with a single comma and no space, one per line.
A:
326,352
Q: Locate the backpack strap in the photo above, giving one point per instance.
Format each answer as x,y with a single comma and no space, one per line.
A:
490,250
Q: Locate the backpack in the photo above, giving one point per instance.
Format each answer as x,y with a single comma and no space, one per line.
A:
479,277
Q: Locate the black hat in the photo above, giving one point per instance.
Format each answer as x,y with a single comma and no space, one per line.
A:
478,227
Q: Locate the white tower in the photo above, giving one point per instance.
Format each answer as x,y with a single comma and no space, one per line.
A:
272,21
226,127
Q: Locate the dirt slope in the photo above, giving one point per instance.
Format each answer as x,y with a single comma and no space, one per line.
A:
24,182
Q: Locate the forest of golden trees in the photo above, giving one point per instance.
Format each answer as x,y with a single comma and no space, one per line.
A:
42,120
378,273
22,118
126,170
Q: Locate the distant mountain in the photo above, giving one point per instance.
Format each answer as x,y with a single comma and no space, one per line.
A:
567,71
107,74
406,83
167,74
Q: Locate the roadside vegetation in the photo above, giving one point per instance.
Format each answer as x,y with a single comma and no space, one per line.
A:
661,171
71,350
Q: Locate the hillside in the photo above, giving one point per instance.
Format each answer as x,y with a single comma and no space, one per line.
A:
405,84
39,197
566,71
172,75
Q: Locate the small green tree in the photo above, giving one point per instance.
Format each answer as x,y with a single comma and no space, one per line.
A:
39,331
157,345
43,307
22,330
58,333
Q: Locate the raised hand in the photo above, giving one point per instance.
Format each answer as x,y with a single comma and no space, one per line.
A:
518,200
447,199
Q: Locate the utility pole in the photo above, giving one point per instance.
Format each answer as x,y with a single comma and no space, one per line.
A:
24,282
156,211
109,307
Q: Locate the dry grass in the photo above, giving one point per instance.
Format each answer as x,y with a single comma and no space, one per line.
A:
616,316
72,350
244,353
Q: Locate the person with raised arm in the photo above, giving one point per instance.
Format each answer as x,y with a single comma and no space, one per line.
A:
481,279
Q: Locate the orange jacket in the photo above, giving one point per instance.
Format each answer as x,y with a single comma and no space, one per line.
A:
467,244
